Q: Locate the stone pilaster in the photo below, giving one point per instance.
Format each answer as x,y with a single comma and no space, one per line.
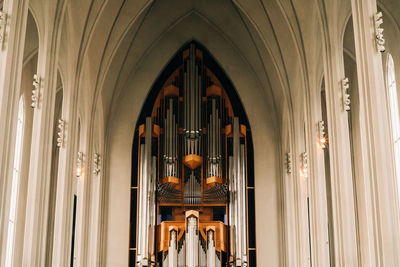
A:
15,13
378,224
343,238
40,157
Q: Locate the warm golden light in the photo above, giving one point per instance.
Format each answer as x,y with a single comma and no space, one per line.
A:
304,171
79,171
323,141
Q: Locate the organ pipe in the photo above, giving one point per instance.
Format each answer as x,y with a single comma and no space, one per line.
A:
239,196
211,253
172,250
214,142
145,193
178,175
171,140
192,103
192,242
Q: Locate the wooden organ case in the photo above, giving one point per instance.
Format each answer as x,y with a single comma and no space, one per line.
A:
192,169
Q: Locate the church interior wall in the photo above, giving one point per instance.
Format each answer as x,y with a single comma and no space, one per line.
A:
109,54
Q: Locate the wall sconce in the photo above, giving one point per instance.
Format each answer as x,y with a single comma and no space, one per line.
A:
304,165
79,165
289,162
35,91
96,163
60,133
3,24
322,139
345,95
379,40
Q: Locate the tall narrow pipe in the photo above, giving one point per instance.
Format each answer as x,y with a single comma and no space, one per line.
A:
170,129
199,126
236,171
141,209
165,147
185,104
210,249
147,177
243,229
214,132
152,207
232,214
172,250
195,100
192,242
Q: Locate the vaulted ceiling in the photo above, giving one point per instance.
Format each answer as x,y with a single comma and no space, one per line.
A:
279,41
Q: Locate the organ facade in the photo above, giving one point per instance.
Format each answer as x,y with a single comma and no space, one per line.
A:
192,174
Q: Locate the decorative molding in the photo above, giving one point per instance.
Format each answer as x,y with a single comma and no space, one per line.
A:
35,91
96,163
379,40
60,133
289,163
3,24
345,95
304,164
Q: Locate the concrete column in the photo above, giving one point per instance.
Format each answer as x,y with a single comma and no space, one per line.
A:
318,208
376,192
11,57
40,157
64,196
344,251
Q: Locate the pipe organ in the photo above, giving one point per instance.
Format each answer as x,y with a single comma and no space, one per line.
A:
192,169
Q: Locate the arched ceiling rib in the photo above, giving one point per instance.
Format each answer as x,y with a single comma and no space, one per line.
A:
272,36
162,15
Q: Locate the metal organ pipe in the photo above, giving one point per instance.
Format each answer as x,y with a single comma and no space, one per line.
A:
170,141
236,171
141,209
192,242
145,191
192,103
152,207
172,250
211,255
232,208
243,229
240,203
214,141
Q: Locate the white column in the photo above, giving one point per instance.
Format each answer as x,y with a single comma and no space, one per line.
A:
40,157
64,195
378,223
11,57
343,212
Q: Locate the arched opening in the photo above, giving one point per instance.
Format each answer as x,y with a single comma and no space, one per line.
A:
195,172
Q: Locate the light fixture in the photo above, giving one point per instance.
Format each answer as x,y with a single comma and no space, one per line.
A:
304,165
79,165
96,163
322,139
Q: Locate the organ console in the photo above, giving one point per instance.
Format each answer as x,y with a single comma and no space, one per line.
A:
192,169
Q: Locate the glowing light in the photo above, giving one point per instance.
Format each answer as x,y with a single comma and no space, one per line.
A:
79,172
323,142
304,171
304,165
